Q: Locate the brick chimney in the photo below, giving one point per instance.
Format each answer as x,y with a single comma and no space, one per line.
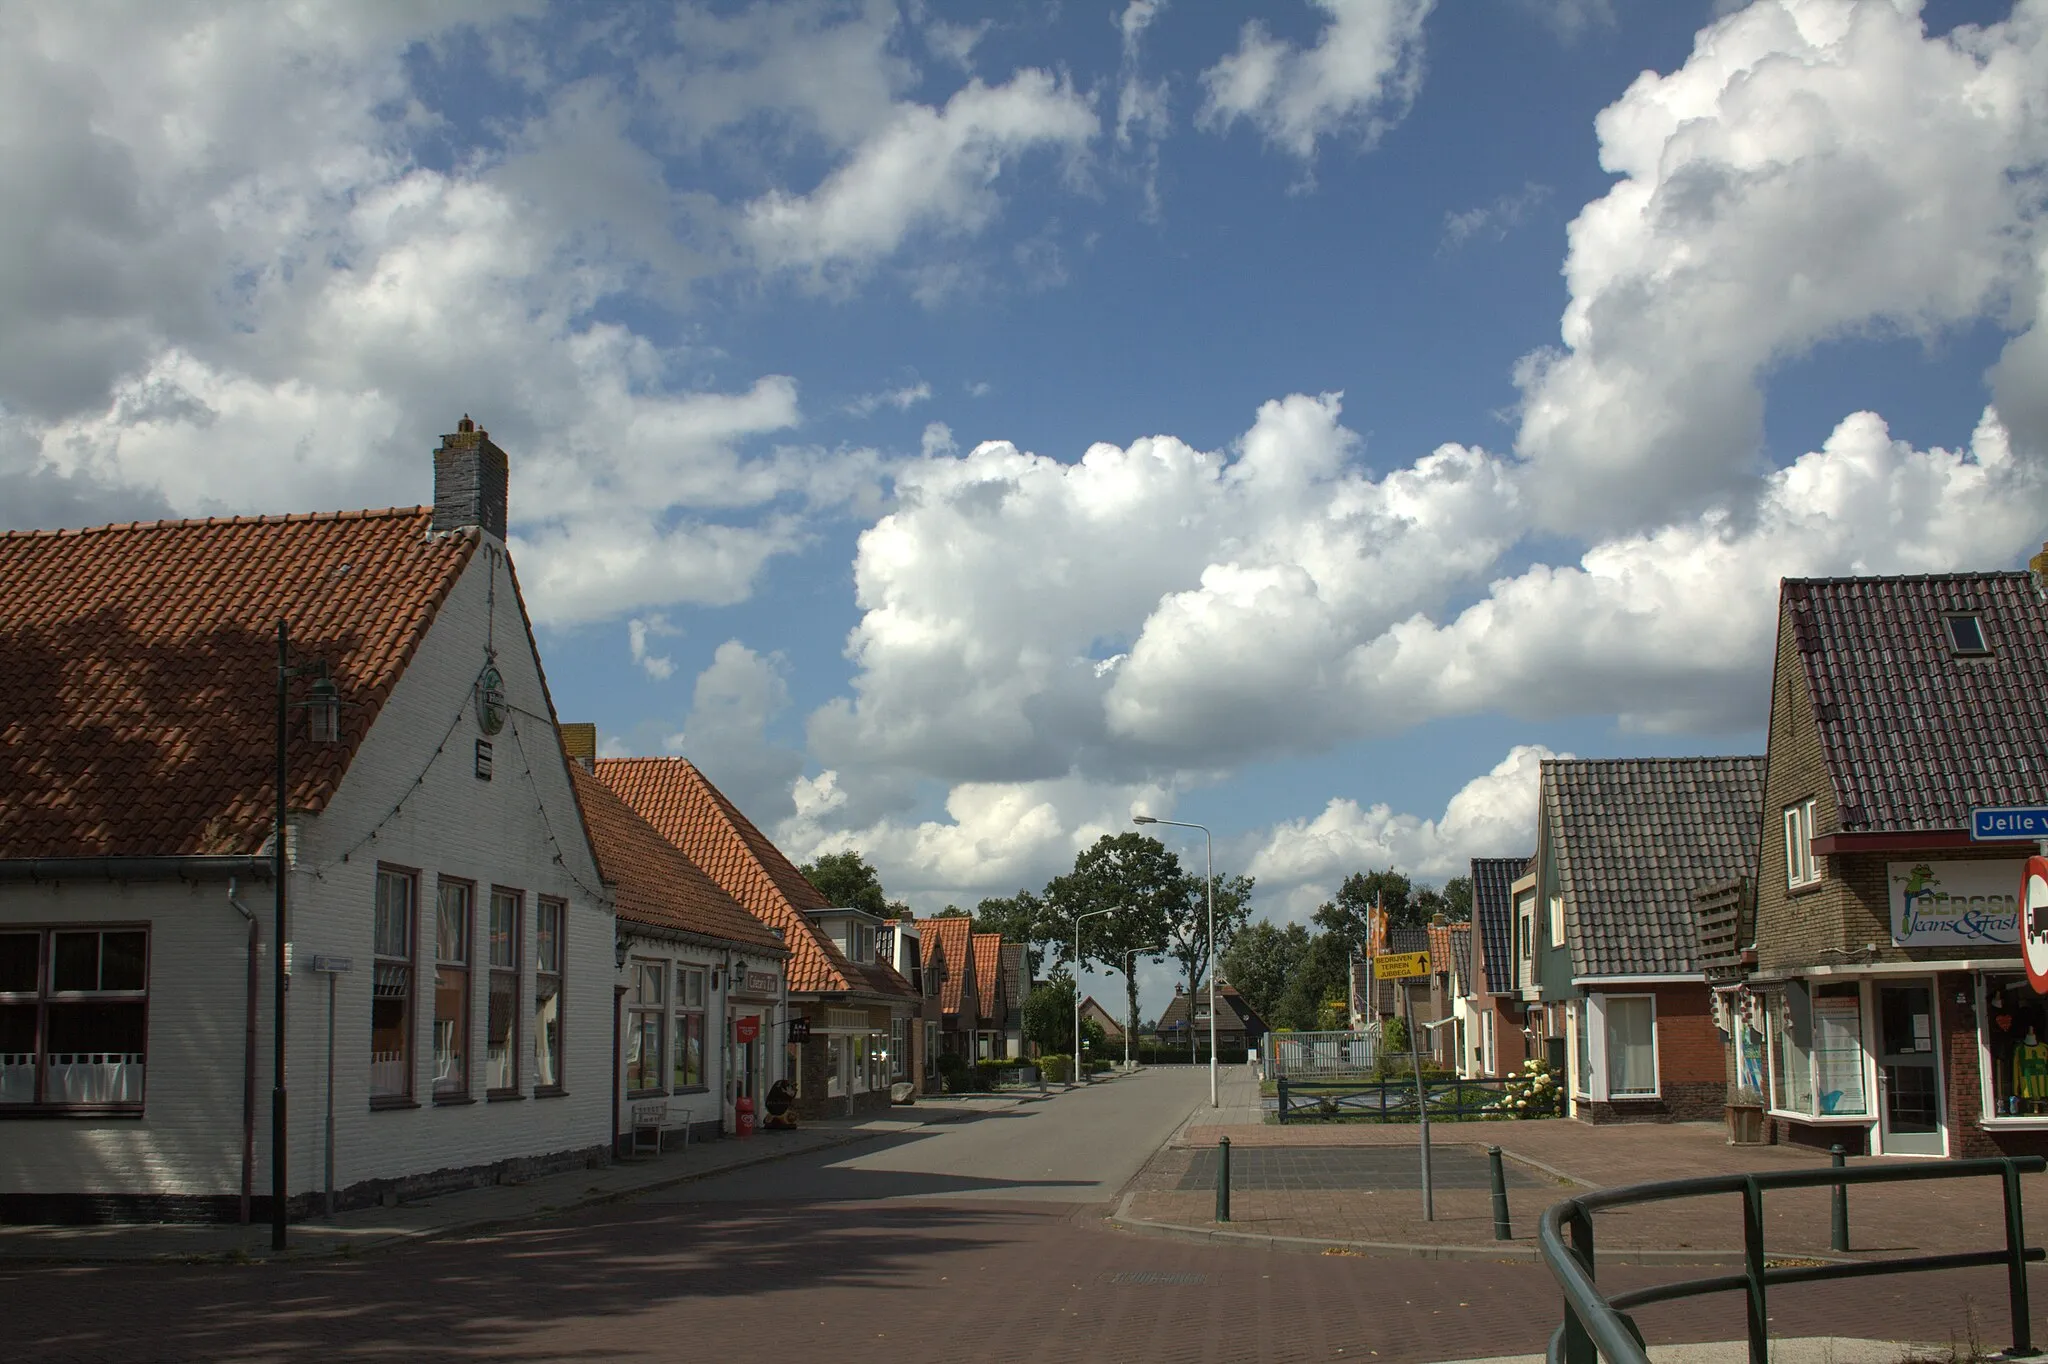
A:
470,476
579,742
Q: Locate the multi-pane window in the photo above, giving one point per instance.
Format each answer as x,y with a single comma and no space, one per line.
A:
501,1018
1789,1023
899,1053
1557,921
1816,1043
74,1017
391,985
548,949
1800,867
454,912
646,1019
689,1048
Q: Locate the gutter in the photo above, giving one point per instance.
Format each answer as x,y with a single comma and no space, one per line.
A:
211,867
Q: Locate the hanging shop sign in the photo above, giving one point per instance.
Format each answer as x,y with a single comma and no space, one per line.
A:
746,1029
1954,904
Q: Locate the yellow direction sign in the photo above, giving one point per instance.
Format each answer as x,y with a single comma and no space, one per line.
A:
1400,966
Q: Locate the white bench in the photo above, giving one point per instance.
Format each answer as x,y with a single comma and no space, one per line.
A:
647,1124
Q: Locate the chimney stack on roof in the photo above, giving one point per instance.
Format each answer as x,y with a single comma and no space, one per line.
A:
579,742
470,477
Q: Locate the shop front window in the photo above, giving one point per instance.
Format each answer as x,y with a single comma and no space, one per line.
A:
2015,1030
1817,1051
1790,1023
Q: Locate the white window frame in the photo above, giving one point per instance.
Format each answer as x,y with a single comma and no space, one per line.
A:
1987,1098
1801,867
1774,1014
1525,920
1555,911
1486,1042
1579,1039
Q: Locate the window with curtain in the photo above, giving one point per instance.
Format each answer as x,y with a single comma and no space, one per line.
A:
1631,1046
689,1039
1838,1051
391,985
501,1022
74,1019
646,1021
1582,1077
1789,1021
548,949
454,910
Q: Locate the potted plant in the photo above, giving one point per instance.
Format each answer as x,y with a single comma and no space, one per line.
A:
1745,1117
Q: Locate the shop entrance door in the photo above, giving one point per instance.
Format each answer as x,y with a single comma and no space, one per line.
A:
1908,1071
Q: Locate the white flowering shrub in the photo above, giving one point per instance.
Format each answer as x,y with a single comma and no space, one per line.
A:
1532,1091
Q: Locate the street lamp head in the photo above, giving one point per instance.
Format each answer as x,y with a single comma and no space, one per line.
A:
1143,819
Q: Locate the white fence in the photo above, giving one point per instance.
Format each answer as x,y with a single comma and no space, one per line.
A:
1298,1054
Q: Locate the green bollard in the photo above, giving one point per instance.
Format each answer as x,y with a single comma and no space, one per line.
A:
1223,1179
1840,1239
1502,1231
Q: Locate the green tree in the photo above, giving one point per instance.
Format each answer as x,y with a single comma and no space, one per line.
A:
1345,914
954,912
847,881
1049,1018
1020,918
1321,977
1138,879
1458,891
1187,933
1260,962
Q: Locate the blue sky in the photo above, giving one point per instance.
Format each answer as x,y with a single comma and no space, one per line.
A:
1455,381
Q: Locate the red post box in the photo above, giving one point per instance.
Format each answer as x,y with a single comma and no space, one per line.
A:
743,1117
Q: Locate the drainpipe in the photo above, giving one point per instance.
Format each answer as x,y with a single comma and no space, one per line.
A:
248,1056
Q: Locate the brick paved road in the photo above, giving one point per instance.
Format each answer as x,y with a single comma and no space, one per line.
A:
938,1275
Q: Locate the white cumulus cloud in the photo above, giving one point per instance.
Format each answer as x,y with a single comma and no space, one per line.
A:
1356,81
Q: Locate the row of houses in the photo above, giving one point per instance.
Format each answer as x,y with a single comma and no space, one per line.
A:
1809,941
501,955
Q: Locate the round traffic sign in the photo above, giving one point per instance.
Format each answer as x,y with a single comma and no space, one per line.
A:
2034,922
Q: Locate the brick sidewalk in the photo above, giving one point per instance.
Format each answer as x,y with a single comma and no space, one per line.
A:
1883,1219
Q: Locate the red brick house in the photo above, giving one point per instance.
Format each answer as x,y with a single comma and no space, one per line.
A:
949,949
993,997
1887,997
859,1010
1621,845
1494,1042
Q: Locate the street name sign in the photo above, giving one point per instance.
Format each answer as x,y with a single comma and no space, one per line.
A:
1400,966
2009,822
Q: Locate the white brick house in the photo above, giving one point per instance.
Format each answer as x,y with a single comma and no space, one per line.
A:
436,848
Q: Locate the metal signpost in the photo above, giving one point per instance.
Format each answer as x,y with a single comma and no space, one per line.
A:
1407,967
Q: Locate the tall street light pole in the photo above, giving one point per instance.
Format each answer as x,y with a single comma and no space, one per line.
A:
1091,914
1209,868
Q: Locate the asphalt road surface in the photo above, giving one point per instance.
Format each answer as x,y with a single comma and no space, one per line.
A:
984,1240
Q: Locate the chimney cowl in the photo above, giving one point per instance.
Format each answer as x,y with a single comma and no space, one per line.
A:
471,475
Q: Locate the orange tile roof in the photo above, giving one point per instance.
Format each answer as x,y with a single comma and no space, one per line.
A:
988,963
955,933
652,882
688,811
138,673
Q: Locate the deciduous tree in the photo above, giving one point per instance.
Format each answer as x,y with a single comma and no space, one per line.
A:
1142,883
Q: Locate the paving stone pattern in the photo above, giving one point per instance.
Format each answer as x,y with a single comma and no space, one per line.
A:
1337,1168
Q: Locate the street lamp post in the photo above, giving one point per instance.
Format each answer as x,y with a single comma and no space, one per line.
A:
1209,868
1091,914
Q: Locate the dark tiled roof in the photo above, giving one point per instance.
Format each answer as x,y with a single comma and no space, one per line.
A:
1913,735
1461,959
138,670
1402,938
1493,916
688,811
1635,837
1016,976
652,882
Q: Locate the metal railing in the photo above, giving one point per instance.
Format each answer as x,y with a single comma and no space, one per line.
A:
1301,1054
1596,1326
1393,1099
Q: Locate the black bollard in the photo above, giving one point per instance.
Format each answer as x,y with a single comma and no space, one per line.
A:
1840,1239
1223,1179
1502,1231
1283,1098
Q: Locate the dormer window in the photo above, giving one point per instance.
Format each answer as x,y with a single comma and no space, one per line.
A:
1966,635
